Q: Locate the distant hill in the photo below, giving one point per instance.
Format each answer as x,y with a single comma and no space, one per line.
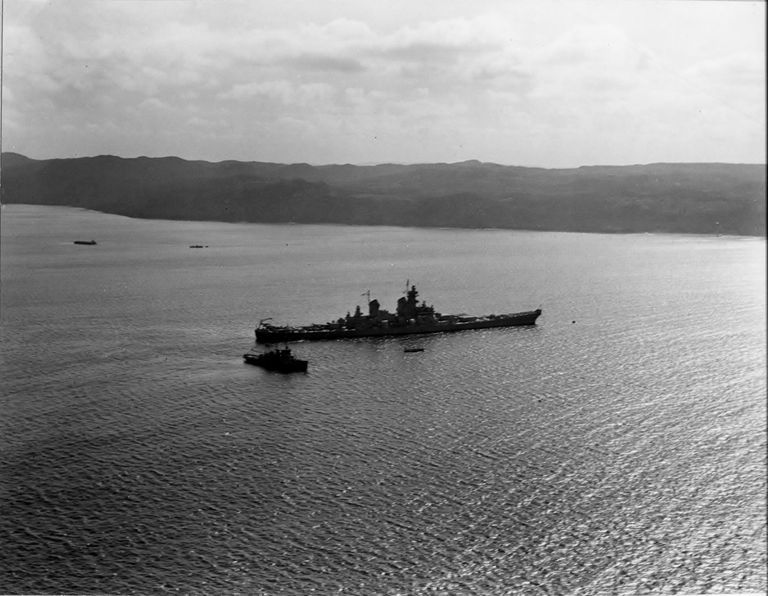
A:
666,197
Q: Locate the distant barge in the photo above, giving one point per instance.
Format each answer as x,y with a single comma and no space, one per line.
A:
410,318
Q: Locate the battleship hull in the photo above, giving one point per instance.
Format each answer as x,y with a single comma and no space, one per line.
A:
271,334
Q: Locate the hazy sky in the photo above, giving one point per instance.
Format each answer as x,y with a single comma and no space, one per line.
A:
552,84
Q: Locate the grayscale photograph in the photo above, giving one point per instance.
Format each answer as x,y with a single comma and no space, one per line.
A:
404,298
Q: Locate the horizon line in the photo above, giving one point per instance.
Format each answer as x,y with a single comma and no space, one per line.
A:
391,163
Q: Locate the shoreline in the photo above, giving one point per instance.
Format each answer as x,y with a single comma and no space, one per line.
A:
407,227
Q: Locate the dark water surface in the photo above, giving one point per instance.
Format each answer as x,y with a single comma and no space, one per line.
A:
618,447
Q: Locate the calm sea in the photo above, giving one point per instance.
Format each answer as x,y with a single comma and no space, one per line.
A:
618,447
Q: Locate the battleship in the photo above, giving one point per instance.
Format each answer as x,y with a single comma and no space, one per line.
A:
409,318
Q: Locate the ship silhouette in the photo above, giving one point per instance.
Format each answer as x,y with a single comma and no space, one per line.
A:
410,317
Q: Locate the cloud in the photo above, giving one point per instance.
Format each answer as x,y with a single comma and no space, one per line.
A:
324,63
152,103
284,92
590,44
733,73
465,33
329,82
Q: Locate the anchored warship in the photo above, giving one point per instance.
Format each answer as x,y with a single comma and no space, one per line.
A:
410,317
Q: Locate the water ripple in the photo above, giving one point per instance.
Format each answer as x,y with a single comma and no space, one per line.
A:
623,453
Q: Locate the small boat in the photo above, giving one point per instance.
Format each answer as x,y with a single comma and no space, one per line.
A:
280,360
408,350
86,242
198,246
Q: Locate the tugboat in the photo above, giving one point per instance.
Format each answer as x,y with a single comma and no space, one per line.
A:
280,360
409,318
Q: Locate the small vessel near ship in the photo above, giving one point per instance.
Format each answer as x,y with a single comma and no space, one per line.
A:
278,359
410,317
